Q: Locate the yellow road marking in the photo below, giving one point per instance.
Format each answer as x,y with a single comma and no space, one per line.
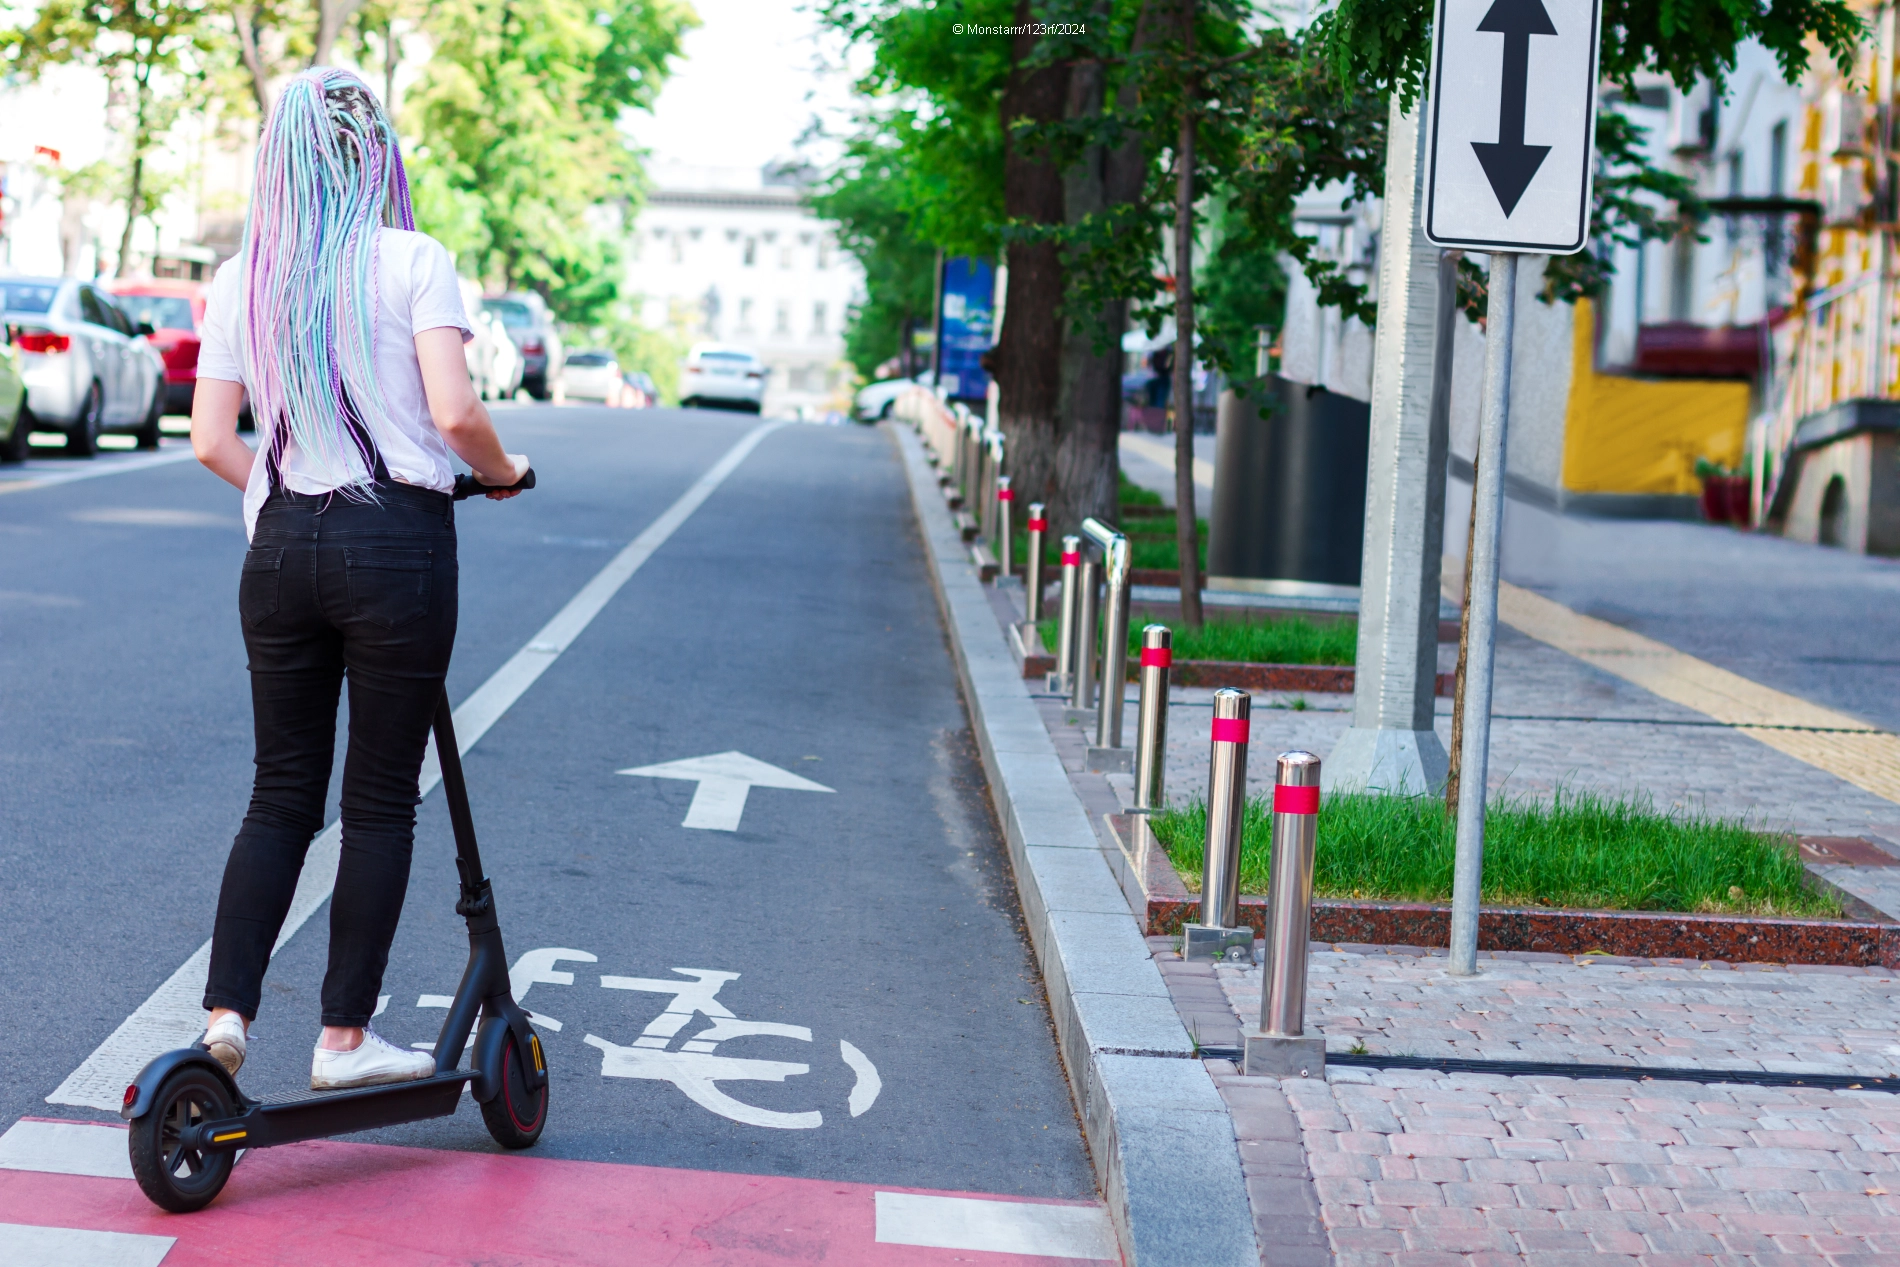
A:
1844,746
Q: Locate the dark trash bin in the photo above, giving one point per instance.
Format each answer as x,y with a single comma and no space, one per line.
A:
1289,488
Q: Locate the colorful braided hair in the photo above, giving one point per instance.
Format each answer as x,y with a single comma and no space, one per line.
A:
329,174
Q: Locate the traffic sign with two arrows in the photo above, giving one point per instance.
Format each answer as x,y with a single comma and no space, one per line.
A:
1512,111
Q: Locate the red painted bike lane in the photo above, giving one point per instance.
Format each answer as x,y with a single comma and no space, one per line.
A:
335,1202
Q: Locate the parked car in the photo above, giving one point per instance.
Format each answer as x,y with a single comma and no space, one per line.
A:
638,391
12,402
531,326
725,376
494,363
176,312
874,400
88,368
592,375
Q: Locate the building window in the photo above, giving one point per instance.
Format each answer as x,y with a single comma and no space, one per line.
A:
824,254
745,315
679,249
785,256
784,323
1775,242
818,319
751,252
1733,228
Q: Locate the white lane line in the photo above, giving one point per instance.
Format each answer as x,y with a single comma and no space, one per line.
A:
66,1148
74,1247
996,1227
174,1015
49,476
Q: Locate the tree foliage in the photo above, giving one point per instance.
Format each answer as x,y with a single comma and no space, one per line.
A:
522,170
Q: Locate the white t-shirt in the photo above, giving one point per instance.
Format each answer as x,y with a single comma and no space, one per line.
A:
417,285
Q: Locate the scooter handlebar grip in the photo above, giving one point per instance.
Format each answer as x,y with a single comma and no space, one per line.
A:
467,486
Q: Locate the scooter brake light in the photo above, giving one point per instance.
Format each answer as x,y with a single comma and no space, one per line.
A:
131,1094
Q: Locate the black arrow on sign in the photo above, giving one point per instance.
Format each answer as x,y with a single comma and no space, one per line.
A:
1510,164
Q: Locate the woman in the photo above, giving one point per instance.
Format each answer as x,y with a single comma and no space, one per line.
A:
346,327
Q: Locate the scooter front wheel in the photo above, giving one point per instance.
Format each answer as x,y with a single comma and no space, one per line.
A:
516,1115
172,1175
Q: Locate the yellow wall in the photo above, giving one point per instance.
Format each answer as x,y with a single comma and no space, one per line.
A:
1637,435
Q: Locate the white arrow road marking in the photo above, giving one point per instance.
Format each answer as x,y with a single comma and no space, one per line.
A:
864,1090
724,779
174,1014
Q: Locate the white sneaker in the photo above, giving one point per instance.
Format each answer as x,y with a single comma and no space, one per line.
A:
226,1042
374,1061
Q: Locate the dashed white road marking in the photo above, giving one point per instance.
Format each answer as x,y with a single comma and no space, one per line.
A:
996,1227
174,1016
75,1247
66,1148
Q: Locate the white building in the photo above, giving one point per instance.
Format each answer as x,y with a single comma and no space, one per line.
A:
734,255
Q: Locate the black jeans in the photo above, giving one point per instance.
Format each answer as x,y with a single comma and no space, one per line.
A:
333,587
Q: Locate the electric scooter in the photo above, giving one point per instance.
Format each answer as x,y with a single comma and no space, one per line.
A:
190,1120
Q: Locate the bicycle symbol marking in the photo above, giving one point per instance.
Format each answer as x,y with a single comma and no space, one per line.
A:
696,1070
695,1067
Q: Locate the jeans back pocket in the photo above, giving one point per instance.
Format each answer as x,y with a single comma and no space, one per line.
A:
389,587
257,585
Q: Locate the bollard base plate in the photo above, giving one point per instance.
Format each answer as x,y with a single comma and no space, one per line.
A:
1209,944
1109,760
1284,1056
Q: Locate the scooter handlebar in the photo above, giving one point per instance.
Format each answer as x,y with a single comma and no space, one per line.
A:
467,486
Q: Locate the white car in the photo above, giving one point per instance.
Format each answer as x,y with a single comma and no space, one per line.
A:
874,400
87,366
724,376
494,363
593,375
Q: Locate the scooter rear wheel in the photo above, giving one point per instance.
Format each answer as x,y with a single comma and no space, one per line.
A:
172,1176
516,1115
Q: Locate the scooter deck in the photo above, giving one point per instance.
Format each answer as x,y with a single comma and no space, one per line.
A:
300,1115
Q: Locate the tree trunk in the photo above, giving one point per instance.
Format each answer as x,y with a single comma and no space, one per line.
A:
135,186
331,15
390,62
1187,532
1089,393
1025,362
246,22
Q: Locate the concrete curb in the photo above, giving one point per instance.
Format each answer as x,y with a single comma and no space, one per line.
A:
1160,1135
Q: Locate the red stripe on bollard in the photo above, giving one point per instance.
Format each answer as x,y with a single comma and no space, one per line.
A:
1072,559
1005,494
1038,525
1295,800
1156,657
1230,730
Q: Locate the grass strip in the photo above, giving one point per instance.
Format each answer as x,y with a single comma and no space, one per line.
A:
1580,850
1284,640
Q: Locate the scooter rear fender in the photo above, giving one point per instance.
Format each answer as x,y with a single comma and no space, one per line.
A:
138,1096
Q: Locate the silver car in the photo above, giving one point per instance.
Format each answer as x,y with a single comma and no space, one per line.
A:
88,369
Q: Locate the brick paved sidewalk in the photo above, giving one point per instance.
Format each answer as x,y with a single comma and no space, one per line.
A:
1404,1167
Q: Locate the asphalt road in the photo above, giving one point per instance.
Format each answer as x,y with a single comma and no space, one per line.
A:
789,619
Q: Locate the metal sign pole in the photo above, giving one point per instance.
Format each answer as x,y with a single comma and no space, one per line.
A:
1488,494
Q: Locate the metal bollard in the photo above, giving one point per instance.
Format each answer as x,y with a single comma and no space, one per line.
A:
1216,936
1082,660
1108,722
1151,728
1032,566
1004,501
1281,1047
1065,626
1151,737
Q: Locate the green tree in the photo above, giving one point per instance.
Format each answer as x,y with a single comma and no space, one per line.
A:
522,170
150,54
867,199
